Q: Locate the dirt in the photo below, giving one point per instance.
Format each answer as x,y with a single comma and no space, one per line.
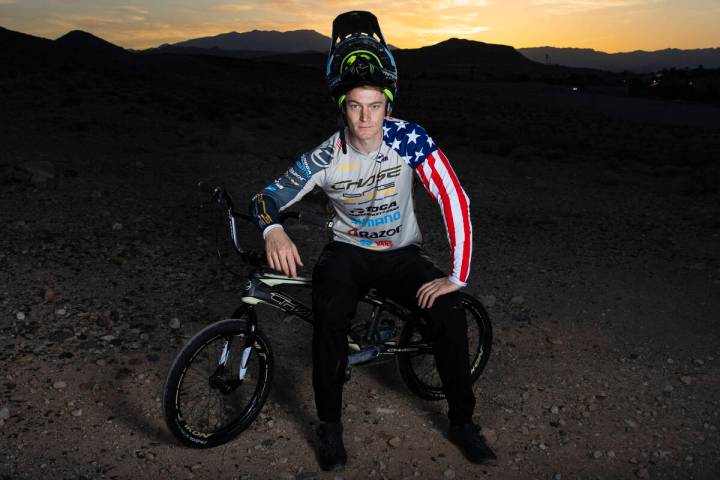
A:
601,278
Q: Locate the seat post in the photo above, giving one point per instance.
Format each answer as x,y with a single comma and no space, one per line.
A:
374,319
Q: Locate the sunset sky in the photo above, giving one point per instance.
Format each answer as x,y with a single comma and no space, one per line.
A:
608,25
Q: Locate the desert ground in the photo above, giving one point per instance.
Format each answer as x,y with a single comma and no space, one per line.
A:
597,233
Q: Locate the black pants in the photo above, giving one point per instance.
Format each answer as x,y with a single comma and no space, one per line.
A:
342,276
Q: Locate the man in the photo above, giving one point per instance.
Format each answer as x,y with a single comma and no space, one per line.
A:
367,171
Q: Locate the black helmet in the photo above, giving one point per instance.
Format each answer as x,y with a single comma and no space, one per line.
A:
357,58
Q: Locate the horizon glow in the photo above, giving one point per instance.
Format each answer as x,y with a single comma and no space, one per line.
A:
606,25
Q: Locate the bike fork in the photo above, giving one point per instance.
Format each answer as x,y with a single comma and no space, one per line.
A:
247,349
246,353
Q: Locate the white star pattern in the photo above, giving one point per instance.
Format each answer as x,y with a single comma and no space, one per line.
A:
401,125
385,130
430,142
419,155
396,144
412,137
407,158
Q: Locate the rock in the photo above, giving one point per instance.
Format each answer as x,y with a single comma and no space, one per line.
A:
449,473
60,312
642,473
557,476
108,338
521,317
20,316
395,442
4,413
77,412
687,380
40,171
490,435
517,300
117,226
51,295
488,300
554,341
385,411
554,410
351,407
668,389
698,362
631,424
597,454
59,385
174,323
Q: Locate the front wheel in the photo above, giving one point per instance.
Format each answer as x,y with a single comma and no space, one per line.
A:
417,369
218,383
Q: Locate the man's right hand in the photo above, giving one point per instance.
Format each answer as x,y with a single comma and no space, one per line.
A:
282,254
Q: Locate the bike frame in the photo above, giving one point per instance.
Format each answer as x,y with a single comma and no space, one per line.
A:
259,289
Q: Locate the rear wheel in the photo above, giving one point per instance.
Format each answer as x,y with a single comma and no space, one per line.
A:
206,404
418,370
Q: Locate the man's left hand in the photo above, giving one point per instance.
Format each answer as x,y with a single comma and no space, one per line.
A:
431,290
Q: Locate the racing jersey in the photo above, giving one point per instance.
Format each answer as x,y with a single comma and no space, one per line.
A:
373,194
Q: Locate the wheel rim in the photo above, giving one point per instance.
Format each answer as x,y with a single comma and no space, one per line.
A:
423,366
204,410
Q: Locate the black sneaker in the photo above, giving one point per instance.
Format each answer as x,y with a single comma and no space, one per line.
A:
331,454
468,437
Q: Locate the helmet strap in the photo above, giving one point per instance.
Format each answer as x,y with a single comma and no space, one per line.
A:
341,125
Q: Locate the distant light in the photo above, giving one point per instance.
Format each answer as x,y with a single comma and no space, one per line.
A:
575,89
690,83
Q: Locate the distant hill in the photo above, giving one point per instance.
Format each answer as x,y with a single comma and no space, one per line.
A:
638,61
457,55
22,45
266,41
76,47
87,43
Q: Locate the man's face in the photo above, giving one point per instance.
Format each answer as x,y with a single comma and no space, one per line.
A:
365,110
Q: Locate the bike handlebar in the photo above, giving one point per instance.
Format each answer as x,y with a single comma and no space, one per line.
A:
222,197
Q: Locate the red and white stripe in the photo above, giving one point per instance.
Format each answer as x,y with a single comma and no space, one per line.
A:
443,185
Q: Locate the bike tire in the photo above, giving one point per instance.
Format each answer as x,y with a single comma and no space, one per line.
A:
418,369
228,413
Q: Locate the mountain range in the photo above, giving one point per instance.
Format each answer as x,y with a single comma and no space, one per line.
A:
308,47
265,41
261,43
638,61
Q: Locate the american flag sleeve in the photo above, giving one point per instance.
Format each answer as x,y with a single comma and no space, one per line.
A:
442,184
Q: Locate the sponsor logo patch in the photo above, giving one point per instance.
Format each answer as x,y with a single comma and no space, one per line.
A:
373,210
379,192
376,243
366,182
379,234
374,222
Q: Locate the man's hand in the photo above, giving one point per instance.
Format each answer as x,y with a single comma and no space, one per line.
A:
431,290
282,254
